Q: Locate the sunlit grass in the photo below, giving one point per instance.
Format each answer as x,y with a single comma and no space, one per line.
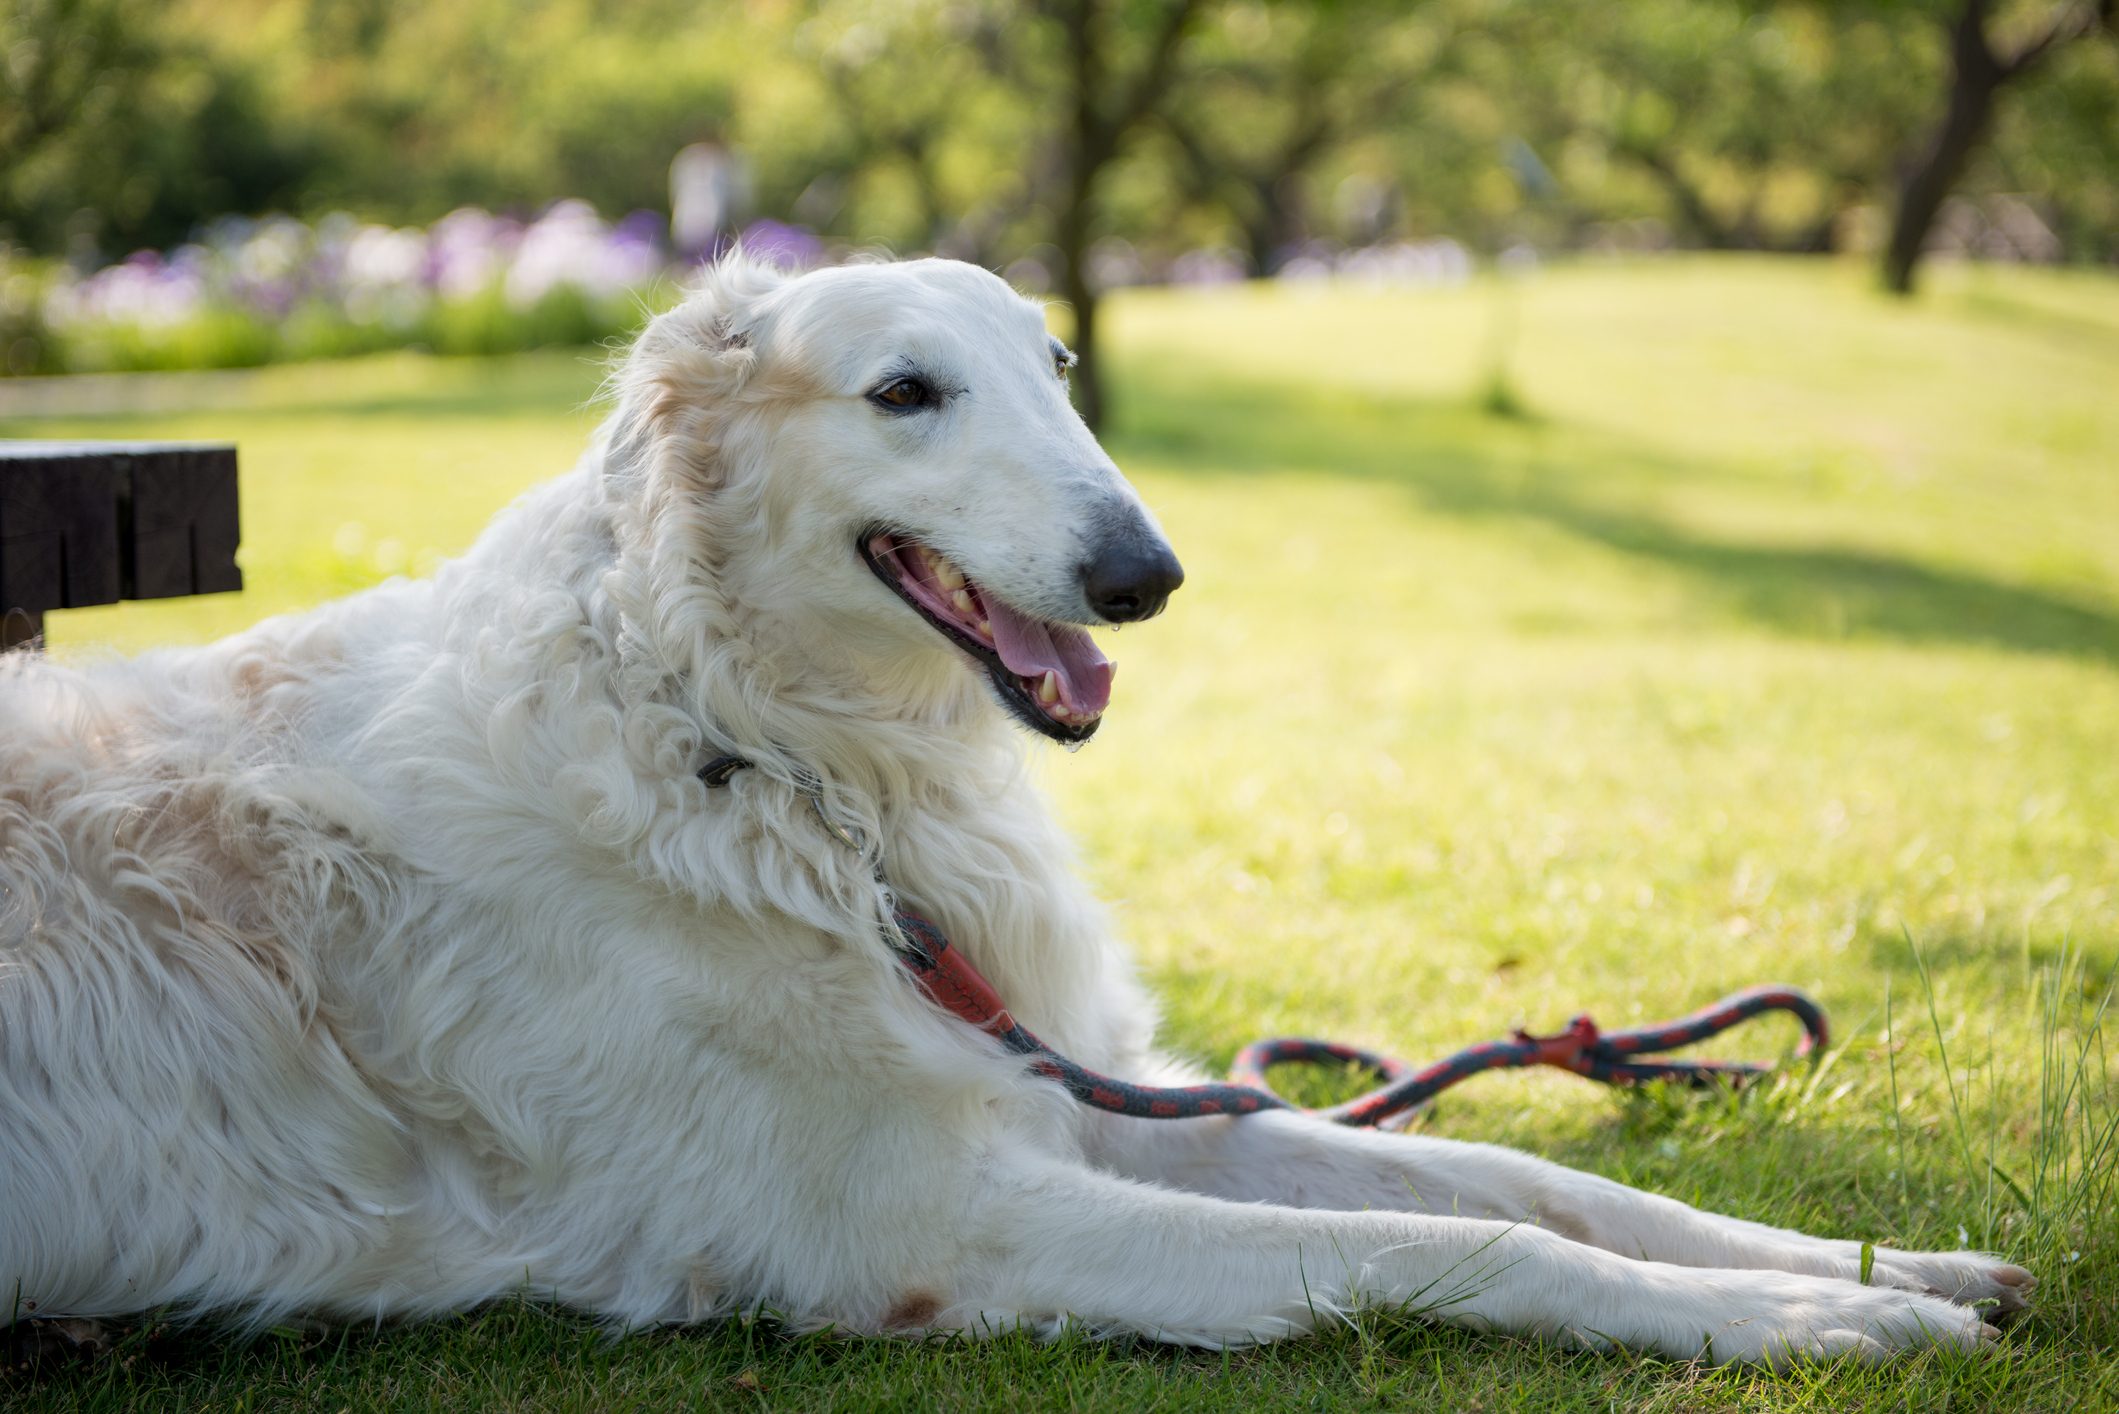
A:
1775,637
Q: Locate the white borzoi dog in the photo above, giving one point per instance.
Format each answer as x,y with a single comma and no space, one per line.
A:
388,958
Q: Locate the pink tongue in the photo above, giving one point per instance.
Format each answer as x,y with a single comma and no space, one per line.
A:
1033,649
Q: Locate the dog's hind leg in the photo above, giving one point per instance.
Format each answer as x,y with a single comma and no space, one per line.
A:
1051,1242
1307,1162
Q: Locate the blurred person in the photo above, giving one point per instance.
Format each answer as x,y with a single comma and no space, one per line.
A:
709,192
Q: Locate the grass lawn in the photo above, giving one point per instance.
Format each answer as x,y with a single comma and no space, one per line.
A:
1775,637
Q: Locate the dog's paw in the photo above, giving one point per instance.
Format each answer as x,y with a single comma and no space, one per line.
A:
1998,1290
1778,1319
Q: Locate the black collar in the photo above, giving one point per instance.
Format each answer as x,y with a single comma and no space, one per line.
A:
717,771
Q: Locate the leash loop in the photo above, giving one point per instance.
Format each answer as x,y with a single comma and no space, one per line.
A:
1606,1056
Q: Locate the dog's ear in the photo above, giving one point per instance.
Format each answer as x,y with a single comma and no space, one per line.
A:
685,370
666,472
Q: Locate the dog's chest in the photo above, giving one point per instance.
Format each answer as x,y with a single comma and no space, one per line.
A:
1000,886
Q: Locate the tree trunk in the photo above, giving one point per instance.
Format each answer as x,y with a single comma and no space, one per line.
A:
1275,222
1090,145
1079,291
1088,375
1096,131
1261,244
1975,77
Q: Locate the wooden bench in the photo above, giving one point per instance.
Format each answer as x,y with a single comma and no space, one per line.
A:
96,522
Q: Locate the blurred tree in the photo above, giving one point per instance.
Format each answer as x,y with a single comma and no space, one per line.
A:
2058,142
116,133
1757,124
495,102
1979,69
1113,69
923,142
1273,91
962,125
1052,130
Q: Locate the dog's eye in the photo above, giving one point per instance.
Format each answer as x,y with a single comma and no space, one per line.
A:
1062,359
903,395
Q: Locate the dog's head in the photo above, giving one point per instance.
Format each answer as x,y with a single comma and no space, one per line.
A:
879,464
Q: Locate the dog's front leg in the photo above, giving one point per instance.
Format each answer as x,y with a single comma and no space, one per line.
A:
1052,1241
1307,1162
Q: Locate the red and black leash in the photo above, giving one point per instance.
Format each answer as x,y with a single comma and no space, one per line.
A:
1613,1057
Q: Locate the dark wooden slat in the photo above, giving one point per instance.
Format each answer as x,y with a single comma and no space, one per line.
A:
93,522
58,532
32,558
159,560
216,527
183,523
87,501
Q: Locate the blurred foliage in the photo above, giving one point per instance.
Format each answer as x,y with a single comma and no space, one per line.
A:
2061,140
119,128
953,124
1755,127
1278,92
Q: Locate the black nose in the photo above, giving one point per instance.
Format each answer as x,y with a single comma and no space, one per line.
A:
1132,578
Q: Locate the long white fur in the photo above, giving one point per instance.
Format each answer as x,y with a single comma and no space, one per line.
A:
388,958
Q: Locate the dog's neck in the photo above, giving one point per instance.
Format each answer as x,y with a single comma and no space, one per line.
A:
625,689
695,672
768,676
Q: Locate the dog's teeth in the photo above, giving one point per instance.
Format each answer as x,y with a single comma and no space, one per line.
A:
962,599
947,575
1048,688
986,628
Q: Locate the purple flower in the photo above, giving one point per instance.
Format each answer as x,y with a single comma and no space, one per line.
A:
143,290
467,250
1218,266
793,247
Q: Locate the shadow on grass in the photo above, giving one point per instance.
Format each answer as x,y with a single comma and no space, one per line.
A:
1599,488
2064,330
1996,954
519,1353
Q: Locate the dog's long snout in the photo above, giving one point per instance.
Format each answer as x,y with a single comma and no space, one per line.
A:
1132,576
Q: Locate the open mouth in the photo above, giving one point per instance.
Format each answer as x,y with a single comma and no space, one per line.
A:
1050,675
